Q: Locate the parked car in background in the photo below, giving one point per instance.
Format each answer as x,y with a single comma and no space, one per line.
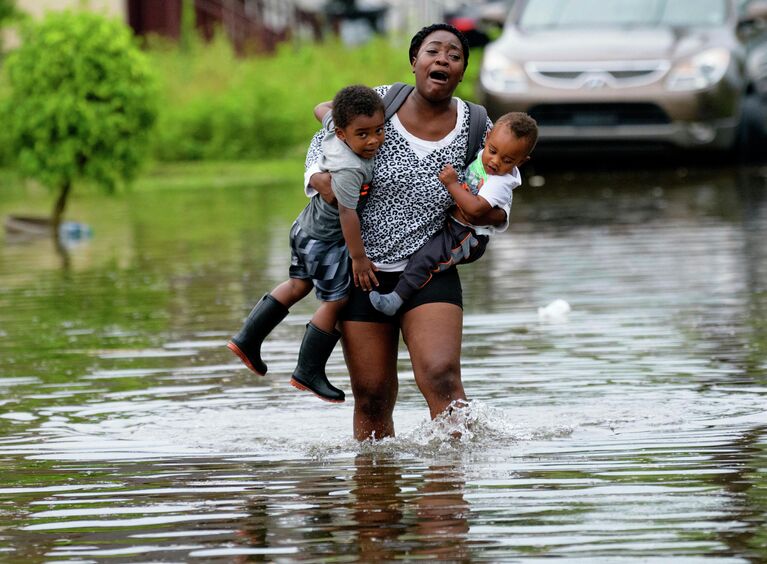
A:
684,73
479,21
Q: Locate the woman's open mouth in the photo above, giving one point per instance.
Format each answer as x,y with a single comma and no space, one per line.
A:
439,76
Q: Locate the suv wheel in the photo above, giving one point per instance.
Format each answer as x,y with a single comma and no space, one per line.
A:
752,133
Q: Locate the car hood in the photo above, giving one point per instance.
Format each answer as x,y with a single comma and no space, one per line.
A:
606,45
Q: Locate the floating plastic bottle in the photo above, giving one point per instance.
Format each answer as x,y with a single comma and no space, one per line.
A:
74,231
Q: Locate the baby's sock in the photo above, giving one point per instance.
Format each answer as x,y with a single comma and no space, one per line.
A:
386,303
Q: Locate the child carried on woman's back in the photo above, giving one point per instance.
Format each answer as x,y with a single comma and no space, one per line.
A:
490,180
322,240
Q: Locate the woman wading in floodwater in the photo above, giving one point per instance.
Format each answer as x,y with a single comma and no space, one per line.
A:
406,205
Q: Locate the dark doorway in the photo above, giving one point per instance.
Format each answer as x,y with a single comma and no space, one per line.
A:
150,16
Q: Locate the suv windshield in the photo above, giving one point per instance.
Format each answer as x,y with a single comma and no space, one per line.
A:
550,14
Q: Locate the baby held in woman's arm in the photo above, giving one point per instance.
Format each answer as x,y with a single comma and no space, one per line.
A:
490,180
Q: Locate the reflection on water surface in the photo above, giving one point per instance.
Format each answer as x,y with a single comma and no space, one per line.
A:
634,429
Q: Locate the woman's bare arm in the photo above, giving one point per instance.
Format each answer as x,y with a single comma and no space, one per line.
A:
494,217
321,109
320,181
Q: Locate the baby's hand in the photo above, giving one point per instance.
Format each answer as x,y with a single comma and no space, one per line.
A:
448,175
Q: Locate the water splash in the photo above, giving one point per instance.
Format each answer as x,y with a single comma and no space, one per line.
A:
473,425
463,422
465,427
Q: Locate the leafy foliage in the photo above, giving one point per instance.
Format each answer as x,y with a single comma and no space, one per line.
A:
7,13
82,100
218,106
215,105
7,9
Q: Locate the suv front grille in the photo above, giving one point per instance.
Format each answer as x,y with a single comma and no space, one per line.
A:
598,115
603,74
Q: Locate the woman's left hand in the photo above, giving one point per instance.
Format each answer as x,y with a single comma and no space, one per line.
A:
494,217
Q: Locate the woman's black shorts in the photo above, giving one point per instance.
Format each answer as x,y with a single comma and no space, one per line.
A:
444,287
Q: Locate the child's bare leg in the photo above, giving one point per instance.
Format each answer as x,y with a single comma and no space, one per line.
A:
326,316
292,291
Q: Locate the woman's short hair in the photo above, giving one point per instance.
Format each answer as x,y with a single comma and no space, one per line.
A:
417,41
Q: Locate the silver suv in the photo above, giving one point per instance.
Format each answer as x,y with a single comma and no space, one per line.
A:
688,73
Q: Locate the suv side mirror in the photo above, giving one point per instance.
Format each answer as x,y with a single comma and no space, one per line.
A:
753,18
756,10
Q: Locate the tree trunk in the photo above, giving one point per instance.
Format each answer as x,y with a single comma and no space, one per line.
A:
58,209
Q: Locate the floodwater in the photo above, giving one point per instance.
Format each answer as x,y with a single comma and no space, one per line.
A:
633,429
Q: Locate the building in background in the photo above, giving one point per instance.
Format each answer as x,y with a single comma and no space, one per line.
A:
38,8
260,24
256,25
250,24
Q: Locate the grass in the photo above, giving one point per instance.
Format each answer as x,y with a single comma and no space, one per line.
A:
194,175
216,106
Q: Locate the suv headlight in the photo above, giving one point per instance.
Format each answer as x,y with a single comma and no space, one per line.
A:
700,71
499,74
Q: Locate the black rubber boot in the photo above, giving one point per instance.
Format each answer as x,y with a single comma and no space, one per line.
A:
262,319
310,375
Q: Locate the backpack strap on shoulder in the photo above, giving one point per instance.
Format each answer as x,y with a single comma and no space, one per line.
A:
395,97
398,93
477,129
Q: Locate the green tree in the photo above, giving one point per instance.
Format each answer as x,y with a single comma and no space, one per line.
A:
188,25
81,105
7,12
7,9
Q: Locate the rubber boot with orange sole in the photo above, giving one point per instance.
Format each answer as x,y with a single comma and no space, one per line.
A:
260,322
309,374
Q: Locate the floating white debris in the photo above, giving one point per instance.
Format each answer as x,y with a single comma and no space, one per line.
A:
556,311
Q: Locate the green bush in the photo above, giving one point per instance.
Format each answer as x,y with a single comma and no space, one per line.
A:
7,14
216,105
81,102
6,142
7,10
227,117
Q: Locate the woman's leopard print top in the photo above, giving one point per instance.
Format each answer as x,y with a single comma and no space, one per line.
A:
407,203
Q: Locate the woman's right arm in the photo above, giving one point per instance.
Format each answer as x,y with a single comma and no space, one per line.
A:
320,181
314,179
321,109
494,216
